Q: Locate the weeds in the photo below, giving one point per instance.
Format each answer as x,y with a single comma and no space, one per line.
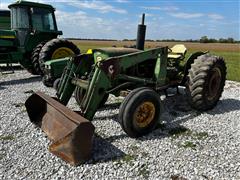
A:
178,131
7,138
189,144
143,171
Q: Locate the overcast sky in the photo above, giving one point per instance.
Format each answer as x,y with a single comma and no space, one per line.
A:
118,19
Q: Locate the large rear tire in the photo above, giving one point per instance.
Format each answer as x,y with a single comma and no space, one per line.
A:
206,81
140,112
36,70
55,49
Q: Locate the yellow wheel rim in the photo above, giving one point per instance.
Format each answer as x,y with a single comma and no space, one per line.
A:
144,114
62,52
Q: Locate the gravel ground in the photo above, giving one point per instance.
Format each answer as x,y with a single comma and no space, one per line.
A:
187,145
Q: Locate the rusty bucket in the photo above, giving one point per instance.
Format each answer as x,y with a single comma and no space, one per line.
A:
71,134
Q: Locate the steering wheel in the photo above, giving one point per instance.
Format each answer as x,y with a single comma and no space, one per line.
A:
169,50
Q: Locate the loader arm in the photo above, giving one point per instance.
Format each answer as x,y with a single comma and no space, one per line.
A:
106,73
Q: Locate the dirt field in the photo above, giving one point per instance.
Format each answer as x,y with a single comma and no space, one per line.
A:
219,47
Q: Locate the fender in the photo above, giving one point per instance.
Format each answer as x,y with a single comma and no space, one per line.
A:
187,65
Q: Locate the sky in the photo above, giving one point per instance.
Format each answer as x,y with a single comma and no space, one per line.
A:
172,19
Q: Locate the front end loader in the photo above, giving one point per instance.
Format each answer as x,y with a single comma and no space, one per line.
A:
138,74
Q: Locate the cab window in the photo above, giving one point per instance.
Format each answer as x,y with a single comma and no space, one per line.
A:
42,19
20,18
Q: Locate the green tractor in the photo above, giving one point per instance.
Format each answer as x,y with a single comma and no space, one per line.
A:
5,19
138,75
32,39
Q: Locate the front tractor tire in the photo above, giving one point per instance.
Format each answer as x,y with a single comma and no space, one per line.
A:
206,81
55,49
140,112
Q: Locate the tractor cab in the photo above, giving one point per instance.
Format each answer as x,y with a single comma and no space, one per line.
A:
33,26
33,22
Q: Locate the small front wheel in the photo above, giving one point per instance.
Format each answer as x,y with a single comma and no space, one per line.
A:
140,112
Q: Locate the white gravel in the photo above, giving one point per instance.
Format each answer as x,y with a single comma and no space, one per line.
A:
207,148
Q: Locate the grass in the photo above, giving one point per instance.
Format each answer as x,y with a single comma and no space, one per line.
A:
230,52
232,60
233,64
144,172
182,131
128,158
201,135
178,131
2,156
7,138
188,144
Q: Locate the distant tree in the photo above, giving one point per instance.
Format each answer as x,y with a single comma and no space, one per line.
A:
222,40
212,40
230,40
204,39
150,40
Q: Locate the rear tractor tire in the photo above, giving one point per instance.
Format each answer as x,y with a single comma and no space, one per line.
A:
35,59
206,81
55,49
140,112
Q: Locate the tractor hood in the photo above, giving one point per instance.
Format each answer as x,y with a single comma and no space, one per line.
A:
7,38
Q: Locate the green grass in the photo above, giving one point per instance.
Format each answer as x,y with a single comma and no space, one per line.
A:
232,60
84,48
178,131
144,172
2,156
188,144
7,137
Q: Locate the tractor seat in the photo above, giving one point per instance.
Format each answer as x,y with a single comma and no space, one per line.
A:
178,51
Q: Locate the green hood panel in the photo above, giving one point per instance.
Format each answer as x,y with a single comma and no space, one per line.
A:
104,53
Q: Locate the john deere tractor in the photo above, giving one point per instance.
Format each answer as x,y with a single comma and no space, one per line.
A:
5,19
139,75
32,39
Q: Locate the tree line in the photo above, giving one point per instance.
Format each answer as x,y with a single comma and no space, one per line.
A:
203,39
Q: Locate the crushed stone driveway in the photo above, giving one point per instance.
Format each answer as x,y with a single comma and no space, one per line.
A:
187,144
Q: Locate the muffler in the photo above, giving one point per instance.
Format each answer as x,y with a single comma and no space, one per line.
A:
71,134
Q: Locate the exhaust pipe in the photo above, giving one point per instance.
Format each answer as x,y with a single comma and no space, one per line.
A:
141,34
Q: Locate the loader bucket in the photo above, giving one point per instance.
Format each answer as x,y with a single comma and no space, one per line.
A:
71,134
